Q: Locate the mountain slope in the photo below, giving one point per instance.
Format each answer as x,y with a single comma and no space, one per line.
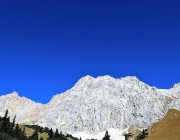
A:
96,104
168,128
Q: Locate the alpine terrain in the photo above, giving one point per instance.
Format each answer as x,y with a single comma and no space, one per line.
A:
94,105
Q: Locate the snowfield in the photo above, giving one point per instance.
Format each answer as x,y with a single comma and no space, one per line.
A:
114,135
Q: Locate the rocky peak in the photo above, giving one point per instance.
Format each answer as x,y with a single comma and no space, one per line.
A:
130,78
14,93
176,85
102,81
96,104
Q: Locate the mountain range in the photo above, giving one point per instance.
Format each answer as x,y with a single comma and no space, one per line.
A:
94,105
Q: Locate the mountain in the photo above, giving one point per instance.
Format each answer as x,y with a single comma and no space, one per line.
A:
96,104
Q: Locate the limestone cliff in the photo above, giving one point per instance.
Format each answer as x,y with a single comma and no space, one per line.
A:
96,104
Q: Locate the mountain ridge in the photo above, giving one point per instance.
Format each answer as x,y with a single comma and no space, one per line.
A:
93,105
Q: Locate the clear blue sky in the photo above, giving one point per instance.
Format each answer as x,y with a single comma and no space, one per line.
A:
47,45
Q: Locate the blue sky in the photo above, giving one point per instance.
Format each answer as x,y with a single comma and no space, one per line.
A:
47,45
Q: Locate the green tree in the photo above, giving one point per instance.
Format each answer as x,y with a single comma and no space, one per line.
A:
56,134
61,136
127,136
50,133
6,114
41,138
17,134
11,127
46,129
107,136
41,129
14,121
5,122
34,135
23,135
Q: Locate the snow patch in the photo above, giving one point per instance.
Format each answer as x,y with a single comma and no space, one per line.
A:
115,134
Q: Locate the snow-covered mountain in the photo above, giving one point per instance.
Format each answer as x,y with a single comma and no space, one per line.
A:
96,104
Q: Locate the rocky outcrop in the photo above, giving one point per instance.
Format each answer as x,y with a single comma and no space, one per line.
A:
24,109
96,104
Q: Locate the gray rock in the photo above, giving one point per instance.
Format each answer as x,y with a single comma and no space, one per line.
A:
96,104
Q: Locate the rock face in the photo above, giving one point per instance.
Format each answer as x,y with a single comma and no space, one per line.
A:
24,109
96,104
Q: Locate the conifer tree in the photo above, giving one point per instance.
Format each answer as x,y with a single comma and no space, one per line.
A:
61,136
4,127
34,135
11,129
9,126
50,133
17,131
41,138
14,120
23,135
41,129
46,129
56,134
107,136
6,114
